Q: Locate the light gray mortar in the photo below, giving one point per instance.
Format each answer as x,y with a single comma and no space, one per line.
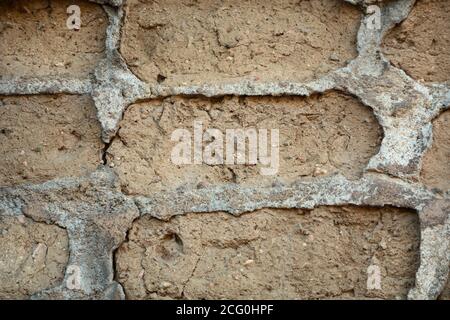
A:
403,106
21,86
371,190
364,2
248,87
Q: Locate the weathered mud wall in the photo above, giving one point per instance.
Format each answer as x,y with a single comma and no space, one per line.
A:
92,207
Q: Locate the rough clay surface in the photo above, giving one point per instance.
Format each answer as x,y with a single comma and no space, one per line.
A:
34,39
33,256
271,40
96,217
271,254
421,44
436,163
320,135
44,137
314,50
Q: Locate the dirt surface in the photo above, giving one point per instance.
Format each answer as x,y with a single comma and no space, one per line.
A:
33,256
43,137
319,135
421,44
436,163
35,41
271,254
269,40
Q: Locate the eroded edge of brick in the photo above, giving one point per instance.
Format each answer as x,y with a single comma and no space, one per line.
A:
49,85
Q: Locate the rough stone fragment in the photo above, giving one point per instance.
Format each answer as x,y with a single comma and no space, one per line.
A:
421,44
35,40
270,40
43,137
320,135
323,253
33,256
436,163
